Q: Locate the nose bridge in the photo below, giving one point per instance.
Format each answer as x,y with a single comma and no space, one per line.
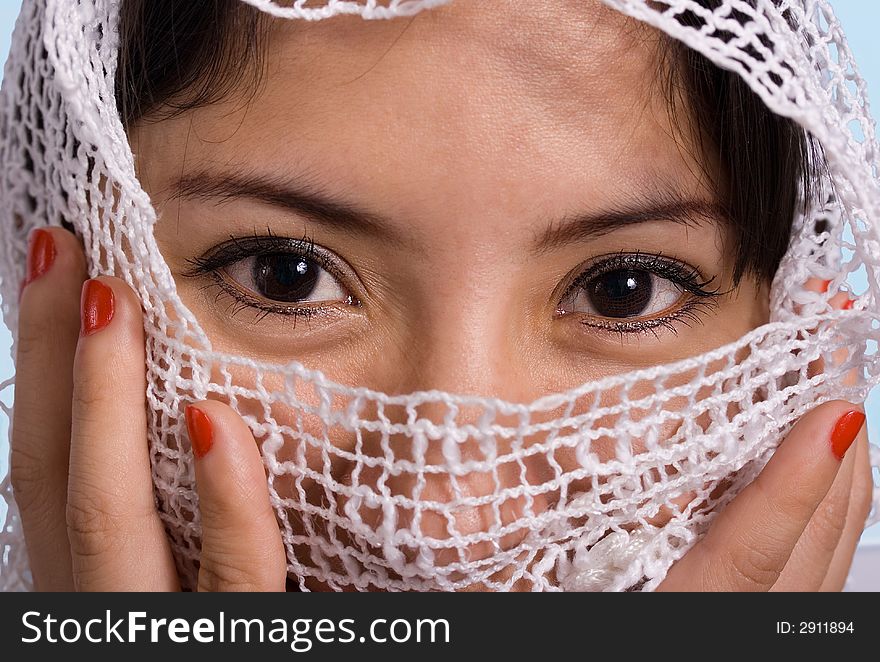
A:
466,353
465,341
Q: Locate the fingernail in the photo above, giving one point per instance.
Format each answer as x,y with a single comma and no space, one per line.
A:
97,306
849,304
845,431
41,254
200,433
824,285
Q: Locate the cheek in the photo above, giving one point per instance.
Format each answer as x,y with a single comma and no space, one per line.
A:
748,310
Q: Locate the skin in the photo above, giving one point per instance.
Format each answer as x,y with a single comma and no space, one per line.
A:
453,289
454,293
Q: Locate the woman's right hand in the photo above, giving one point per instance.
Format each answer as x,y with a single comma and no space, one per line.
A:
80,462
796,527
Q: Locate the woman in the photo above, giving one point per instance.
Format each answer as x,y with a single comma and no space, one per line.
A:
476,199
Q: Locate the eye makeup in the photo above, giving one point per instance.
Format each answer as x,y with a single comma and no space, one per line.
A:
277,275
634,292
621,293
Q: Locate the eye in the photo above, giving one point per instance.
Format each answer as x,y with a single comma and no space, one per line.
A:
623,294
277,274
286,278
630,292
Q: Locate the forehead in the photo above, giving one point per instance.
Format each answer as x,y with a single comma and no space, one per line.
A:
488,69
491,105
570,53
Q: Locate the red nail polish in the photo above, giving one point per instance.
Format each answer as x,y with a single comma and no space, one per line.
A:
824,285
200,432
845,431
97,307
849,304
41,254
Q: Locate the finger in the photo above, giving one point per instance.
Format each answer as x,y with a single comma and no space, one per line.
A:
117,540
47,332
859,507
812,555
241,543
751,540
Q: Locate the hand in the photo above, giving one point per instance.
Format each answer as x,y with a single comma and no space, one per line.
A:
796,527
80,463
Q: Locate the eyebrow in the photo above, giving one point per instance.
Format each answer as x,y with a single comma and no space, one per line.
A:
316,205
308,201
666,206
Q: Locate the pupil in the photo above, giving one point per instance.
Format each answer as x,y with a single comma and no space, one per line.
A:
285,277
621,293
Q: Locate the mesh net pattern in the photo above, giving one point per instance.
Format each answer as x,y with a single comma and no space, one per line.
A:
599,488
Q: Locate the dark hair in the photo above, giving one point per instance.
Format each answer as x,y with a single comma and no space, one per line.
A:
179,56
182,55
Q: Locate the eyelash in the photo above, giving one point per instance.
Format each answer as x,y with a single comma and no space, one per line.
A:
688,278
681,274
212,264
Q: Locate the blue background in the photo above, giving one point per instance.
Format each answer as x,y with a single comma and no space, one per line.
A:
861,21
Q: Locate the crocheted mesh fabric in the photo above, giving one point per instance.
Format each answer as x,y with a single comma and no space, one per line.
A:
602,487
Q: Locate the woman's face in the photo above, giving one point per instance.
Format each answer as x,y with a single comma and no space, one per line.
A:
479,199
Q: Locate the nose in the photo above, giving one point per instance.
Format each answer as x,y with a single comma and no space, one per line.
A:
470,344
